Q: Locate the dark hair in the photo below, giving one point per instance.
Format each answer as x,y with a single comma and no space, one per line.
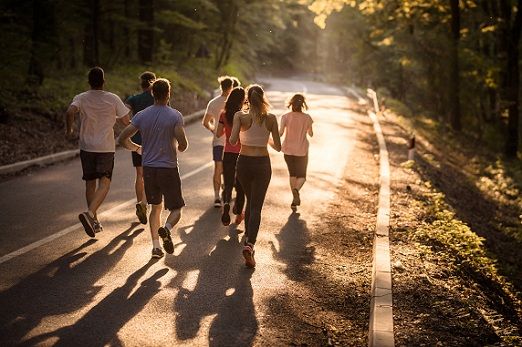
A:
161,89
96,77
258,103
234,103
297,103
146,79
225,82
235,82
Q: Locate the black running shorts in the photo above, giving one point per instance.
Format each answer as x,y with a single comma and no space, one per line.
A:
163,183
136,159
96,165
296,165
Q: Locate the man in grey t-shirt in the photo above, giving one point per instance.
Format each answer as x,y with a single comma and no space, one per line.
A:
161,128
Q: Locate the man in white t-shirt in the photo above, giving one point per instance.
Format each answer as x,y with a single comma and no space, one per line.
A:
98,111
211,121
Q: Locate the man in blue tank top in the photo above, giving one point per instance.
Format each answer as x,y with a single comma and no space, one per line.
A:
161,129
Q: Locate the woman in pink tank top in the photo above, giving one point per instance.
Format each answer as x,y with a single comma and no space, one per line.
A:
298,126
233,104
253,164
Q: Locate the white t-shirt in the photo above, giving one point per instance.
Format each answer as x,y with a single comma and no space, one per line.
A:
214,108
98,112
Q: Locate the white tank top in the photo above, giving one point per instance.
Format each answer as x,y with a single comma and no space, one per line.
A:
256,136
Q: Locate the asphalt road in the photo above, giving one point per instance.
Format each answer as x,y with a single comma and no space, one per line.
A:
71,290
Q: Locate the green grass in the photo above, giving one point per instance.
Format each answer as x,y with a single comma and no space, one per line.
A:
54,96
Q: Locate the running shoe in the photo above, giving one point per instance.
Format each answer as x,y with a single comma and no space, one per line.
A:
157,253
293,207
217,203
225,217
87,222
248,254
141,212
239,218
164,233
98,227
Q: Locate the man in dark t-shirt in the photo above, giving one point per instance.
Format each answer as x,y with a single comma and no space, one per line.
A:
138,103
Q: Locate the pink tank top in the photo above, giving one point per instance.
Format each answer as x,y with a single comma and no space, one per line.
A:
256,136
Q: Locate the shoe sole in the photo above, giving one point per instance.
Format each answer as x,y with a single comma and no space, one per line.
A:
89,230
168,246
249,259
156,256
141,214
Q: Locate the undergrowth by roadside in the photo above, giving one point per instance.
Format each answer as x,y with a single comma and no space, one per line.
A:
455,240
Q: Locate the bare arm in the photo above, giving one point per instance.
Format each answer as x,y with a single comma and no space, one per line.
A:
311,131
236,127
208,122
69,120
181,137
125,141
275,134
282,127
125,120
220,130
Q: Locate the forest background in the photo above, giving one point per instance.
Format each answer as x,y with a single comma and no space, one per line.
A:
456,62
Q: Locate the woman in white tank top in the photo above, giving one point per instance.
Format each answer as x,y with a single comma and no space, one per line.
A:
254,171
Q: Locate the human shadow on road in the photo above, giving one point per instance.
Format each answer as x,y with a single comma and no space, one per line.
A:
99,326
197,240
222,286
59,288
294,251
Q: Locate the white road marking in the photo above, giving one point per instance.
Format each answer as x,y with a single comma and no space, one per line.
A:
76,226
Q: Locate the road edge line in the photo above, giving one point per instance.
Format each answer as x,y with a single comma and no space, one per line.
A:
381,305
76,226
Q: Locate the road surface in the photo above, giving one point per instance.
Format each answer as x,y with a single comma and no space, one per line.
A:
66,289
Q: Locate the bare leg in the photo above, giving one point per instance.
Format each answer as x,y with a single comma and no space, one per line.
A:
154,221
99,195
90,190
292,182
138,185
299,182
218,170
174,217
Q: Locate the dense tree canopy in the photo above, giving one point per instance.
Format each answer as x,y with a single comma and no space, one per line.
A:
457,61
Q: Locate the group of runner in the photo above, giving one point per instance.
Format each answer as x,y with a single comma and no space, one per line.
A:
241,127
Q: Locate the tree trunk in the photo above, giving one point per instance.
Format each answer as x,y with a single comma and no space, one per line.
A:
126,34
91,53
512,77
146,33
454,87
42,33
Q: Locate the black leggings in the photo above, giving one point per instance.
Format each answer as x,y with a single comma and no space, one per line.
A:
254,174
231,181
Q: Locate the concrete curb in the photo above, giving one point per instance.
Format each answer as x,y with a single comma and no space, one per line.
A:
61,156
381,315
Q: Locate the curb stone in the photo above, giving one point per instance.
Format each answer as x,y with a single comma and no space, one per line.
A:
65,155
380,332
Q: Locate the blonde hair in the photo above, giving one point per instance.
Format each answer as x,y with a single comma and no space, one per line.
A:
297,103
258,103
